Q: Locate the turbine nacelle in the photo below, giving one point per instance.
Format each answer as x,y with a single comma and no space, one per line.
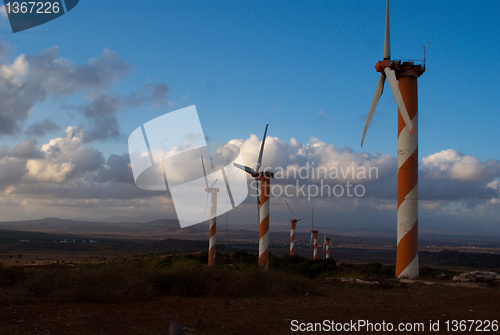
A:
386,72
382,64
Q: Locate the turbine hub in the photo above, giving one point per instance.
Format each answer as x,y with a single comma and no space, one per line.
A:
381,65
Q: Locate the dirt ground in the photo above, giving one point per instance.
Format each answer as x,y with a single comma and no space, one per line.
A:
341,302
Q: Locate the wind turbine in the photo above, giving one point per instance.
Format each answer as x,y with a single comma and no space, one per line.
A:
404,73
293,222
314,234
324,243
327,243
213,214
265,189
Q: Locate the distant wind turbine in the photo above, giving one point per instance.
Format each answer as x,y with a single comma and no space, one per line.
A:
314,234
213,214
293,222
327,243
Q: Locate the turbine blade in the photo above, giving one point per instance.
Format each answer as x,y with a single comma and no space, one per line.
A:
289,209
204,172
310,241
301,219
216,180
312,219
259,161
393,84
229,193
378,92
387,38
245,168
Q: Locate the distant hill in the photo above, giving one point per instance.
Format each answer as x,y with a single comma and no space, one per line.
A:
56,225
167,228
170,229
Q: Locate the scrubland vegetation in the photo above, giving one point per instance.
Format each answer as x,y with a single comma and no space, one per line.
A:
144,277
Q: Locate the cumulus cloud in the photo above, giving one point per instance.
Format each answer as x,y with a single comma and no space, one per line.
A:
101,119
62,158
42,128
451,164
26,149
117,170
12,171
57,75
31,79
100,112
67,172
458,183
64,167
451,175
316,161
445,177
157,94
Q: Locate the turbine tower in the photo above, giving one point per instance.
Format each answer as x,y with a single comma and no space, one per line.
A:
265,189
314,234
293,223
213,214
404,73
327,243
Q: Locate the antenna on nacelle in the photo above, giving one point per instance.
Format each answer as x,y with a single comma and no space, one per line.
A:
425,47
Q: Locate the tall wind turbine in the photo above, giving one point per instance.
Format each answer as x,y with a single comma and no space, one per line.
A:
404,73
314,235
265,189
293,223
213,214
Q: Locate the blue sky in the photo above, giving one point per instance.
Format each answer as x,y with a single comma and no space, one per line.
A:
304,67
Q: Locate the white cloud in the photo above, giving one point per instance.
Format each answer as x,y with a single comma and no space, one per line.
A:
63,157
67,175
16,72
329,163
31,79
3,12
44,171
455,165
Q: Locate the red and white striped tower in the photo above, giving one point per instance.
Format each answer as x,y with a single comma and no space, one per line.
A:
327,242
402,79
293,222
407,255
265,191
315,252
292,236
213,214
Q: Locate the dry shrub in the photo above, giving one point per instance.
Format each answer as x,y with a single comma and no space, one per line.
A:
129,280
